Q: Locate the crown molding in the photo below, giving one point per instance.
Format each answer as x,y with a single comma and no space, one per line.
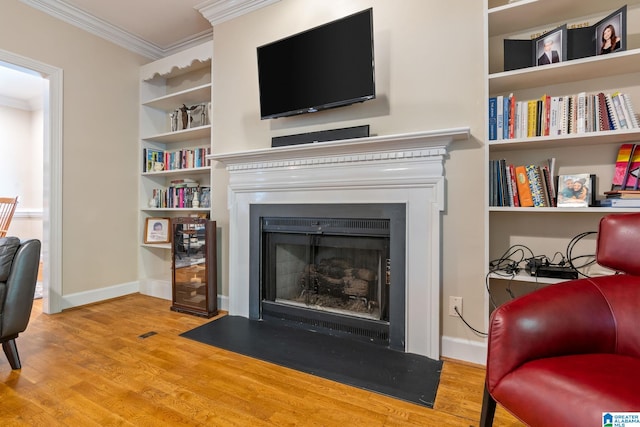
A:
218,11
72,15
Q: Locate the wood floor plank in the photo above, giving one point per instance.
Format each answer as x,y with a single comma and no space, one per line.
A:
122,363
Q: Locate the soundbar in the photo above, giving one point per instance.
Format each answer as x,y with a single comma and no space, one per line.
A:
321,136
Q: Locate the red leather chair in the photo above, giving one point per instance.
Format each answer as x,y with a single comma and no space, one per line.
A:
567,353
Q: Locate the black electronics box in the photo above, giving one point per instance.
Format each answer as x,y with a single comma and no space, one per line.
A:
556,272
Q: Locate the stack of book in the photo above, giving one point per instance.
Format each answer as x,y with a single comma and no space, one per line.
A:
621,199
559,115
522,185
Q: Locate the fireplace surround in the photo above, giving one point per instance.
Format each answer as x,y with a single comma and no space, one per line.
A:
406,169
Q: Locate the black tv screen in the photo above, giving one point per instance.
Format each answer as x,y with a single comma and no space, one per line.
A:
327,66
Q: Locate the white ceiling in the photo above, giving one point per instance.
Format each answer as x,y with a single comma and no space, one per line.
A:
152,28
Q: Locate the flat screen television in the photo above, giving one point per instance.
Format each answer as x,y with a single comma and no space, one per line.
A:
327,66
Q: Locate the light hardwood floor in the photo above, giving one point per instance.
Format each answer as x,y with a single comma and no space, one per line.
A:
89,367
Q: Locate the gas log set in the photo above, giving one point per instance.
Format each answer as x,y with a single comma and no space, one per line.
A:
336,283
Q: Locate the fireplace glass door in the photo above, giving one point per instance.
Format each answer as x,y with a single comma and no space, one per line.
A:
336,273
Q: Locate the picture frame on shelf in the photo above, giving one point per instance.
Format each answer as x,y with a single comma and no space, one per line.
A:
575,190
611,32
157,230
551,47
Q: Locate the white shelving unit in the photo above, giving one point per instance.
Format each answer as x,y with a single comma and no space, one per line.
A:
548,231
167,84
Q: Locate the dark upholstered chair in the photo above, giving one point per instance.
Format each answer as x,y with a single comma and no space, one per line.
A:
567,353
19,263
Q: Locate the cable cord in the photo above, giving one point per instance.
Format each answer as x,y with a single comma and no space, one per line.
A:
484,334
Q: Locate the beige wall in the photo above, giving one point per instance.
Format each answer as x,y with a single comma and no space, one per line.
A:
100,155
429,75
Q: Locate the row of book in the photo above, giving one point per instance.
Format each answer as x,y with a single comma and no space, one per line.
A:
559,115
156,160
522,185
180,197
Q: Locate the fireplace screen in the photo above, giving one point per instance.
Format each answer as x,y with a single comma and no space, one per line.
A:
331,266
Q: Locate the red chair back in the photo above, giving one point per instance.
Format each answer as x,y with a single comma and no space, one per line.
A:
618,244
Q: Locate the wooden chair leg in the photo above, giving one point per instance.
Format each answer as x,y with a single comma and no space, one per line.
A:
488,409
11,351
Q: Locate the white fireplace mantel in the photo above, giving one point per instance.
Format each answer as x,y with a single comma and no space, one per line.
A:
405,168
417,143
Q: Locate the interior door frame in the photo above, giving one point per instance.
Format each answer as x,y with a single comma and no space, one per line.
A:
52,177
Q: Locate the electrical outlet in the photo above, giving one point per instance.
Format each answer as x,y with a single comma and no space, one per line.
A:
455,302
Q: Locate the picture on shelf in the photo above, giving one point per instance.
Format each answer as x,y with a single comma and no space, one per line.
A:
611,32
157,230
551,47
574,190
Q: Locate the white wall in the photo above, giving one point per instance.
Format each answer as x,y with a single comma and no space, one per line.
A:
21,168
429,75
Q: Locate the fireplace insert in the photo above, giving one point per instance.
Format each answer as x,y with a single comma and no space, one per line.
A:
331,273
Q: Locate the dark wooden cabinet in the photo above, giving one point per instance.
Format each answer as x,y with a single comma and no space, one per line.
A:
194,262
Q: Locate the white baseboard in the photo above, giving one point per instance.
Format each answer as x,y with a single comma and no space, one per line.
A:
466,350
223,302
96,295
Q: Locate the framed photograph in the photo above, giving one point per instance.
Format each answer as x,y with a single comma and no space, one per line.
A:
611,32
551,47
157,230
575,191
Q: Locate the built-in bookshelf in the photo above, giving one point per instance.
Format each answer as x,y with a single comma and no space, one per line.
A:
175,138
548,231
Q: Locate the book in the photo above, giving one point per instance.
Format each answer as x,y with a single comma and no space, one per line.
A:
506,117
613,116
512,117
632,113
493,118
532,107
514,186
620,203
622,194
539,117
617,96
603,115
500,117
524,191
564,114
617,105
546,115
536,186
581,113
549,185
554,115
